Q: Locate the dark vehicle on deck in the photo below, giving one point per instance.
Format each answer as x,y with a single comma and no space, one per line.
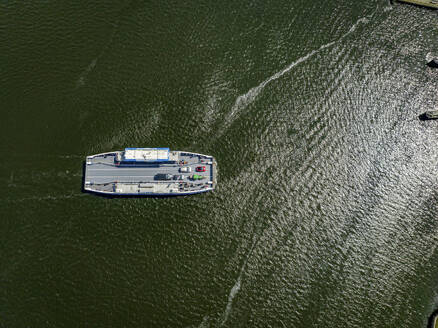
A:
163,176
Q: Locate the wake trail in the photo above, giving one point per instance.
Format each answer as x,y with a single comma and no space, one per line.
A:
204,323
43,198
235,289
244,100
83,77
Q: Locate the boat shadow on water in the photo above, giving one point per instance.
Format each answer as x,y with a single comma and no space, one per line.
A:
428,116
132,196
431,323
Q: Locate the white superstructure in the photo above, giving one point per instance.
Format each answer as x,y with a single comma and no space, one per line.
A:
146,155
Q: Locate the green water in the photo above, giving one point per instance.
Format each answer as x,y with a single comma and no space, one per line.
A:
326,209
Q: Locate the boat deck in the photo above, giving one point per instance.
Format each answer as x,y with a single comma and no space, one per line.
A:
104,174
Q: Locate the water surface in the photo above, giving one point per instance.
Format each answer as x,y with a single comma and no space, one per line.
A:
326,208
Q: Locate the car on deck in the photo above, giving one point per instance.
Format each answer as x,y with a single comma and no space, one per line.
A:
163,176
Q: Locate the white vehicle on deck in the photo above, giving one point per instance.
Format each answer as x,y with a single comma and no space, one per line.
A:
185,169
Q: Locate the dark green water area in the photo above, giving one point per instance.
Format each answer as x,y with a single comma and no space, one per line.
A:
326,211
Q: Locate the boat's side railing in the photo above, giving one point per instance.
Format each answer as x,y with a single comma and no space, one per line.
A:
196,154
102,154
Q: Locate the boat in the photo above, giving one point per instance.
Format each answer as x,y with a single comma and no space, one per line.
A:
433,63
433,320
429,115
425,3
149,172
